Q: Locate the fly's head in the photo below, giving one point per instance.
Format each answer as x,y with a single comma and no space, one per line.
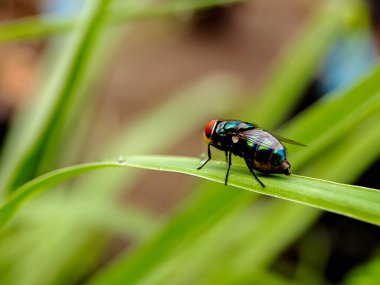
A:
209,130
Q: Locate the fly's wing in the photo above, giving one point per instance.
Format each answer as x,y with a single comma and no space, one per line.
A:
264,138
285,140
260,137
245,133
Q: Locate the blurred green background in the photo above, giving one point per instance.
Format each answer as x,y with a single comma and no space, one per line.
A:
84,81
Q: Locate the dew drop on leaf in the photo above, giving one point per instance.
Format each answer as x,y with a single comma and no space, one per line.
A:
121,160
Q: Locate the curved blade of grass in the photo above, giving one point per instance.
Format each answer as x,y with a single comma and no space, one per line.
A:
44,182
353,201
42,26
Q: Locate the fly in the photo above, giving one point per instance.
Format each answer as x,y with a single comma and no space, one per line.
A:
261,150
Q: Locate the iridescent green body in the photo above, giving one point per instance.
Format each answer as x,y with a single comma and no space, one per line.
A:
261,150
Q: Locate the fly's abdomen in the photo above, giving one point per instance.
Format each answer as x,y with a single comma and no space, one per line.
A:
266,159
262,151
278,156
262,154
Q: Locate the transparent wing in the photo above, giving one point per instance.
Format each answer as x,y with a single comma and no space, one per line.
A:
264,138
260,137
285,140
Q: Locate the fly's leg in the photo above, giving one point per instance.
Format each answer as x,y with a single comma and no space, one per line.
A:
229,166
253,173
226,153
209,156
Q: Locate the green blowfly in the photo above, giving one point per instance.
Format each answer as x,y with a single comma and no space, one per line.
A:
261,150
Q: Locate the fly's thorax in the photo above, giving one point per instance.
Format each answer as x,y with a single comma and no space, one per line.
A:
224,128
225,131
222,134
232,126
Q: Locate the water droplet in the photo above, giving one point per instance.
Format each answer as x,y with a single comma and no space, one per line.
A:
121,160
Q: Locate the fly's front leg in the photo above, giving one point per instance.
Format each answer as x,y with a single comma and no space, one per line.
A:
209,156
253,173
226,153
229,166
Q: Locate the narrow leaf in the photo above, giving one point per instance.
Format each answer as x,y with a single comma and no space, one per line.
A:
354,201
44,182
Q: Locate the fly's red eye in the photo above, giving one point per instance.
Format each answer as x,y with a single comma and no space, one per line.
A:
209,128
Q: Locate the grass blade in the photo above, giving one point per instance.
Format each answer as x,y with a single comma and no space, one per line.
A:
354,201
44,182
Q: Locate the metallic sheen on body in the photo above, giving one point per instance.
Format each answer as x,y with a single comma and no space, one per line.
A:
260,150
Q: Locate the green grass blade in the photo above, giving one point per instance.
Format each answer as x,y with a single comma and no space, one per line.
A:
354,201
44,182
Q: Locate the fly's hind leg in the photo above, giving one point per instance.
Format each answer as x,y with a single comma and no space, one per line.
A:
209,156
253,173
